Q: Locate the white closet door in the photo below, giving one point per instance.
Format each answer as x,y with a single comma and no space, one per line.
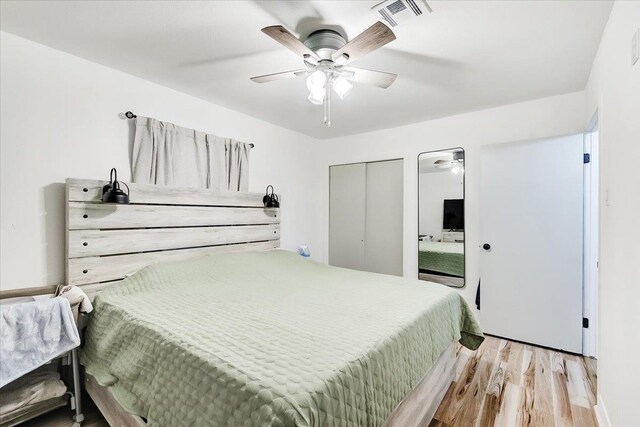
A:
531,215
383,229
347,198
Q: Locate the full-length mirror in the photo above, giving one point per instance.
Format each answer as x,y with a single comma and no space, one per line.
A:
441,216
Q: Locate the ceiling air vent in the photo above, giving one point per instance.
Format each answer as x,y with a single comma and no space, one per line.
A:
395,11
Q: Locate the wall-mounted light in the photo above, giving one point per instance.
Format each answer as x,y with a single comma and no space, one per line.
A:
270,200
112,193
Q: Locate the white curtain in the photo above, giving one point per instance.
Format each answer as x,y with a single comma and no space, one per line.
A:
166,154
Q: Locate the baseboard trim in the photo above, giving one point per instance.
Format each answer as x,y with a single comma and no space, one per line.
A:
601,413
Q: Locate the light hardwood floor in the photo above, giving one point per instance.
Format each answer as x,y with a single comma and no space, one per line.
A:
509,384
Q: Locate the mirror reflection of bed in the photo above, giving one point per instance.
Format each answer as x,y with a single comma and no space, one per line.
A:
441,217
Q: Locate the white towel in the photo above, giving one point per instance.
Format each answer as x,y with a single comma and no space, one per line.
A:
75,295
33,333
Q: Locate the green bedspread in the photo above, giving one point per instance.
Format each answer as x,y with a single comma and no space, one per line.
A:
442,257
269,338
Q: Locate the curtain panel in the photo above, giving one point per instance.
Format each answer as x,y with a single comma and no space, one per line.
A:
166,154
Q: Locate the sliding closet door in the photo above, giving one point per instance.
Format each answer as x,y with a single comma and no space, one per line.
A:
347,199
531,197
383,224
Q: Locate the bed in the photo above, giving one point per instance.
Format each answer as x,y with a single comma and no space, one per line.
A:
211,325
446,258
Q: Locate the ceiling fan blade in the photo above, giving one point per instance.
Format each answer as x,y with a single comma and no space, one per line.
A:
288,40
370,39
370,77
278,76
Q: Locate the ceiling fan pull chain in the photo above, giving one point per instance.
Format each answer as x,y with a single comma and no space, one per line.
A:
327,100
325,104
324,108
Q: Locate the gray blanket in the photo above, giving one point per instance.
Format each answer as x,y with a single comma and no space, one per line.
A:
42,384
33,333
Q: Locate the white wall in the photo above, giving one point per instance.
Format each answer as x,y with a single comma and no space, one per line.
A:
558,115
59,116
614,90
434,188
59,119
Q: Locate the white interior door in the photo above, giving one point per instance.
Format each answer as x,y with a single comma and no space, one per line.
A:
347,199
532,216
384,211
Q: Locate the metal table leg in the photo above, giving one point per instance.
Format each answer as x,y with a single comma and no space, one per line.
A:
77,388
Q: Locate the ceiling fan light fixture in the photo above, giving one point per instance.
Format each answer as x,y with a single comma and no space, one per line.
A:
316,97
325,53
342,87
316,81
341,60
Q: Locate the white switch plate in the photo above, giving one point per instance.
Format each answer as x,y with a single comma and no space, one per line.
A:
635,47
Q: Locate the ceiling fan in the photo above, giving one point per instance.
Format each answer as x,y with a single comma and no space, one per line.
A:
326,56
456,163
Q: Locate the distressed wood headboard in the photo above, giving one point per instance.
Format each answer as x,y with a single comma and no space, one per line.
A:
107,241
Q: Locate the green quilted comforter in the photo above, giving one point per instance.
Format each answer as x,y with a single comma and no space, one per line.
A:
269,338
442,257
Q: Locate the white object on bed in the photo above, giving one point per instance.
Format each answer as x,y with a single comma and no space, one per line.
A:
32,334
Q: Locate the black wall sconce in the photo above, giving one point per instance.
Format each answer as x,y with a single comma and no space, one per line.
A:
270,200
111,192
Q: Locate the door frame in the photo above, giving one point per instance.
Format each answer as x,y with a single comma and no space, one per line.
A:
590,293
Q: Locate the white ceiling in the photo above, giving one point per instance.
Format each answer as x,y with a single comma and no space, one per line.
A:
465,56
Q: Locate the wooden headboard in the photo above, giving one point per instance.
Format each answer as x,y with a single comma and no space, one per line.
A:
105,241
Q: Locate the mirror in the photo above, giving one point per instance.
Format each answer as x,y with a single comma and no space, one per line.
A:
441,217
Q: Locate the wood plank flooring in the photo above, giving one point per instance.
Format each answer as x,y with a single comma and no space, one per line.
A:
509,384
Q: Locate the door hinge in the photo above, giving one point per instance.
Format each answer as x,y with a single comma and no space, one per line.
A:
586,158
585,322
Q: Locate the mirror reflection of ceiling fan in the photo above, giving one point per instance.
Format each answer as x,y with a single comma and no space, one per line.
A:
456,163
327,56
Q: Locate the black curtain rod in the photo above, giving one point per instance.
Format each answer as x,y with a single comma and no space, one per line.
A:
130,115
